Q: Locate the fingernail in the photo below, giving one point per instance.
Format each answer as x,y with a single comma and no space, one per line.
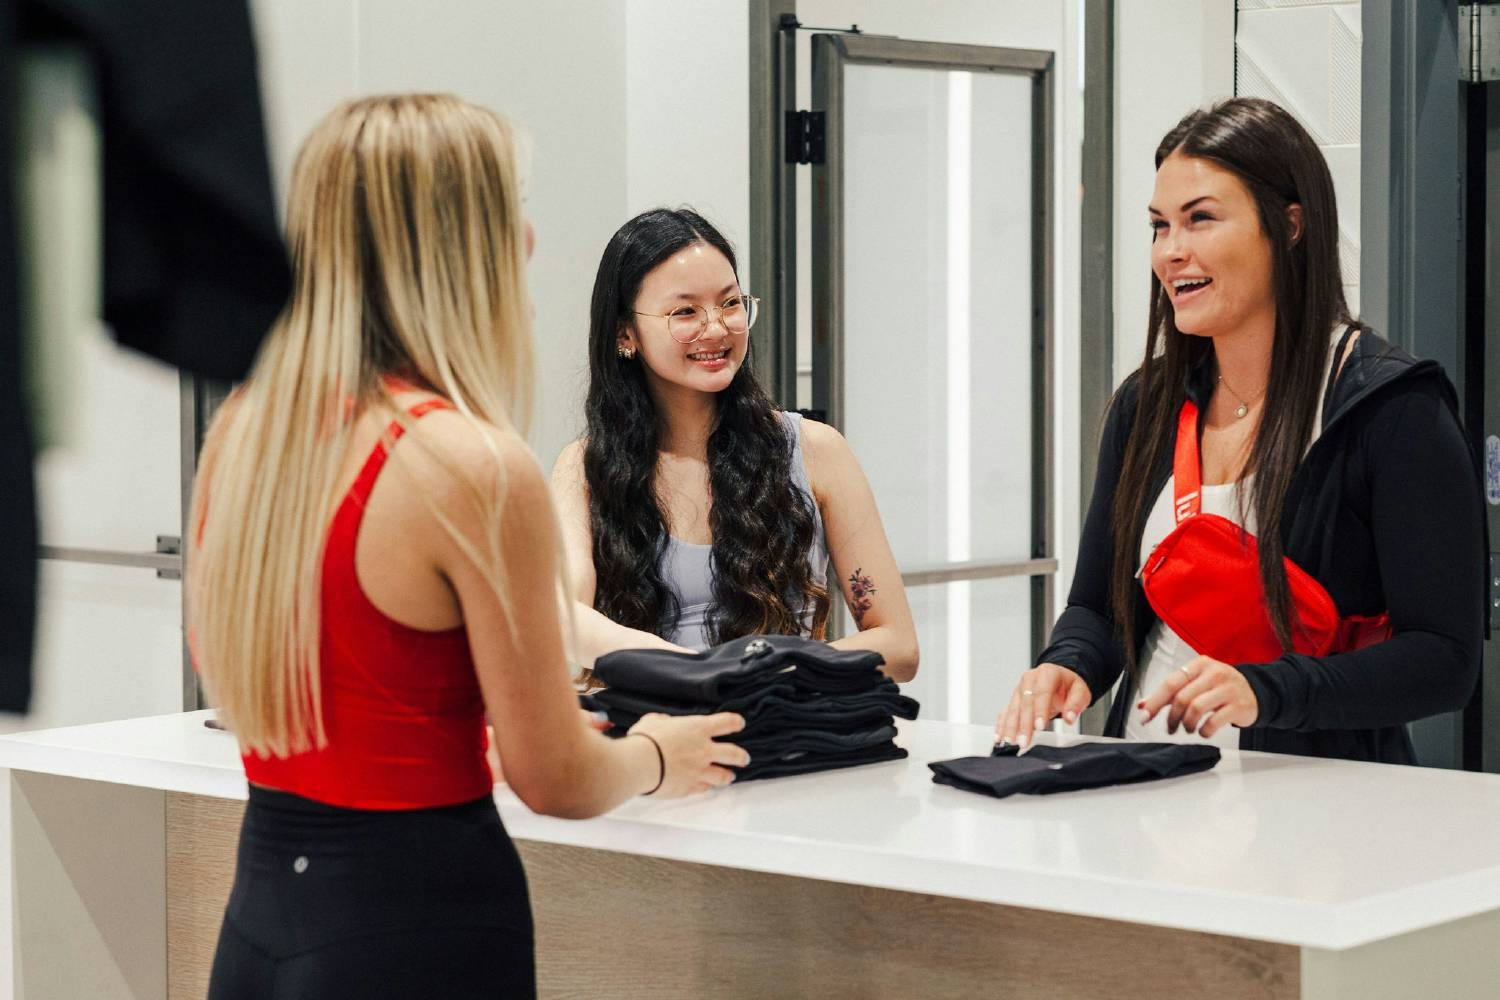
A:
600,716
1071,715
1140,704
1040,722
1023,739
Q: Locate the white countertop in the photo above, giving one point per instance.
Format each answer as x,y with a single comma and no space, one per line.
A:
1324,854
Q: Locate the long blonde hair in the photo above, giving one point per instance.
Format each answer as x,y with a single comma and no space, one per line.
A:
408,248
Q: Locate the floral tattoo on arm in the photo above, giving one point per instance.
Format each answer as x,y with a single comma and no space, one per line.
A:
860,589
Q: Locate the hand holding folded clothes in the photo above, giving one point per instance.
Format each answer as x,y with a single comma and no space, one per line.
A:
689,763
807,706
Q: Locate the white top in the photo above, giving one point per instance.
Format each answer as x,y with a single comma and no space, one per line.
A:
1164,650
1319,853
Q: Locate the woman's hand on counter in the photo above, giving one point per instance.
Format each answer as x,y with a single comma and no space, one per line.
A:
1043,693
1203,695
692,760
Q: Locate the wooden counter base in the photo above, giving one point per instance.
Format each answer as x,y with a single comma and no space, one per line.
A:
624,925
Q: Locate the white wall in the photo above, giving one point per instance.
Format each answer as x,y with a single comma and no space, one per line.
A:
1171,56
687,95
1306,58
109,640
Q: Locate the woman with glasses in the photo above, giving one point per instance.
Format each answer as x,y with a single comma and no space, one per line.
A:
694,511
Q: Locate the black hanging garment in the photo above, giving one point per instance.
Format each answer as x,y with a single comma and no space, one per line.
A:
195,270
1048,769
807,706
18,528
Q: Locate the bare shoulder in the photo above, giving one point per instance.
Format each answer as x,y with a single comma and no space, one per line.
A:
567,471
829,459
457,458
821,441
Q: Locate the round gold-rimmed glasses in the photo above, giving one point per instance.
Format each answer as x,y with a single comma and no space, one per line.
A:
687,323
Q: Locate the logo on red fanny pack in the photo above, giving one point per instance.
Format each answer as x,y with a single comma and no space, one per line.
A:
1203,580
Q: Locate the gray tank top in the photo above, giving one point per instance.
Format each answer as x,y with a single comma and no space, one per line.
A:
688,568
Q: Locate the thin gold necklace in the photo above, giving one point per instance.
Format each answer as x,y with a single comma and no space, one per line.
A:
1244,407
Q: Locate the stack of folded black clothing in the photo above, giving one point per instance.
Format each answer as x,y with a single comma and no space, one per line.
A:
807,706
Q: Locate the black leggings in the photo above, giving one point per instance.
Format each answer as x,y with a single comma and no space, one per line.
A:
330,902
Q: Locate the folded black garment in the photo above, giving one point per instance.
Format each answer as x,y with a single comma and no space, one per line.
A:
772,726
777,707
792,741
740,666
798,762
776,719
633,704
1048,769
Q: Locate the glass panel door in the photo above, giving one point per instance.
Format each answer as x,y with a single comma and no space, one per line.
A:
932,336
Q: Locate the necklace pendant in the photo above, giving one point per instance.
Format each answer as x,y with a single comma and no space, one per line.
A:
1241,410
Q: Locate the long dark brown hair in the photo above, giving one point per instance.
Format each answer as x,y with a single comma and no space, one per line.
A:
762,523
1280,165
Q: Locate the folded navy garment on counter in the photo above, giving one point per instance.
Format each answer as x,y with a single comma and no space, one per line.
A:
1048,769
801,762
739,666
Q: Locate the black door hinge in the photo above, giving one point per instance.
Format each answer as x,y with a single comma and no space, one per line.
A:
804,137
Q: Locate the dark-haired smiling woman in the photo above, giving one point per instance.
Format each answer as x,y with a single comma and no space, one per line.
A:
694,511
1345,597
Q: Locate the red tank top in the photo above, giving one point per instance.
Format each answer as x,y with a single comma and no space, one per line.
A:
401,706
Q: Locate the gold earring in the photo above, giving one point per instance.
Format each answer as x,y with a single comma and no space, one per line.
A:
625,351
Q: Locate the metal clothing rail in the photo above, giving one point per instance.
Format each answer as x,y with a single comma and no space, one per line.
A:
166,560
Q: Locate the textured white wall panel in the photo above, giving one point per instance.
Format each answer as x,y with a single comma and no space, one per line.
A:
1305,56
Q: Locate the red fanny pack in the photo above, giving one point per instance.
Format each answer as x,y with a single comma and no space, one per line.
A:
1203,581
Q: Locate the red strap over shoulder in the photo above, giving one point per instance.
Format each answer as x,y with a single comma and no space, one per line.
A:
1187,473
1199,571
365,481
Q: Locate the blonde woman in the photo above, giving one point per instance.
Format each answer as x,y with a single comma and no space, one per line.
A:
378,566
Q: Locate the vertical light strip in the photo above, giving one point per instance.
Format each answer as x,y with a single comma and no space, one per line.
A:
960,142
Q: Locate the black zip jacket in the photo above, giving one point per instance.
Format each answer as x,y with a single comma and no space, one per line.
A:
1385,512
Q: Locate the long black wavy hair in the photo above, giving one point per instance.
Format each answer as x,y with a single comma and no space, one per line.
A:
762,523
1281,165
